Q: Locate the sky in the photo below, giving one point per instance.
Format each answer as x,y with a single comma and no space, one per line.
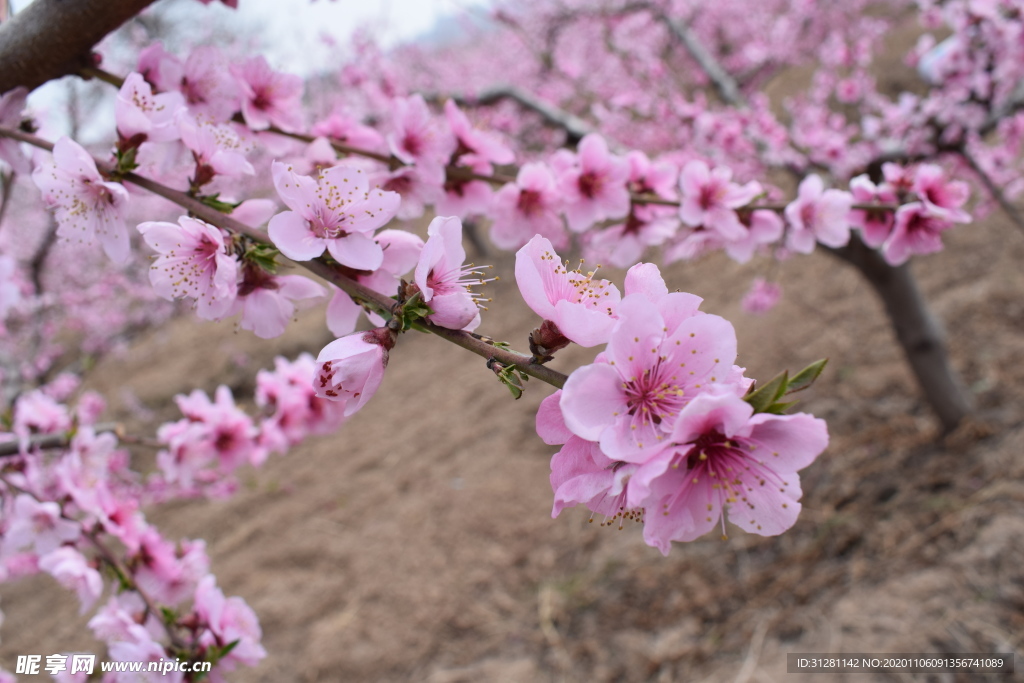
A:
300,27
392,21
295,34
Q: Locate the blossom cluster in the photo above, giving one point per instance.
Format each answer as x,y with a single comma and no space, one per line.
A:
196,118
661,427
656,429
74,512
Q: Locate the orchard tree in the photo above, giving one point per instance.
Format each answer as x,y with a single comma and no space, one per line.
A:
616,127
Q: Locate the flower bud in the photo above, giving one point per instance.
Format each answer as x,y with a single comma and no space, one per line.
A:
352,368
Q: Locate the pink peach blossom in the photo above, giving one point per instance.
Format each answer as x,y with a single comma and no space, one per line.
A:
594,187
216,148
474,145
142,115
875,224
530,206
762,297
581,474
629,399
71,570
337,211
269,98
87,207
352,368
348,131
228,620
418,138
726,461
37,524
943,198
624,244
710,199
208,85
581,306
444,280
818,215
917,230
267,301
193,262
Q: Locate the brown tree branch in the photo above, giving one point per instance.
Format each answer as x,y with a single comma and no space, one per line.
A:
61,440
997,193
918,332
725,85
54,38
323,269
575,127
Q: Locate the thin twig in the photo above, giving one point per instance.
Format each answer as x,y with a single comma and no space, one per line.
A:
1011,211
462,173
725,85
126,574
325,270
6,185
575,127
62,440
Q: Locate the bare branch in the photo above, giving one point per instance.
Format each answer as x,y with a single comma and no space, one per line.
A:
997,193
62,440
575,127
725,84
323,269
6,185
54,38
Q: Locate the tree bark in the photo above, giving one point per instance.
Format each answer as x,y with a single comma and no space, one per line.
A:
53,38
917,330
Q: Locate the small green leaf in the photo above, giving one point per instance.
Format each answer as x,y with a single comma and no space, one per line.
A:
763,397
780,408
807,376
517,392
413,311
213,201
168,615
224,651
125,161
510,378
509,375
263,256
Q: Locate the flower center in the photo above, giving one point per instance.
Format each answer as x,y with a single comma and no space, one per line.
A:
650,398
590,184
530,202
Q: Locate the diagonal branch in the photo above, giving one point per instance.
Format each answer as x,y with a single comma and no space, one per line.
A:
575,127
325,270
54,38
725,84
61,440
997,193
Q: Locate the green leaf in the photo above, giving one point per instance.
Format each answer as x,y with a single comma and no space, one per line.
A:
263,256
509,375
224,651
763,397
510,378
168,615
780,408
125,161
413,311
807,376
213,201
517,392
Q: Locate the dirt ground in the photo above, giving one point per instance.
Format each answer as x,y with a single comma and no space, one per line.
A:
416,544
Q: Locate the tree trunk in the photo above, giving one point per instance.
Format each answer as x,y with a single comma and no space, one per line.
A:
53,38
917,330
